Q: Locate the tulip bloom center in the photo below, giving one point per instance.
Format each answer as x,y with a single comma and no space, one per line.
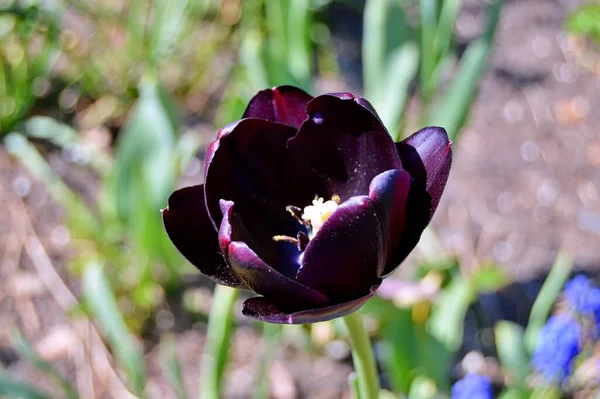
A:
312,216
317,213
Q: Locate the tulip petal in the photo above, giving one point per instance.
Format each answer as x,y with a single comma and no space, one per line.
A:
344,144
343,259
191,231
264,310
250,166
268,282
281,256
427,156
390,192
283,104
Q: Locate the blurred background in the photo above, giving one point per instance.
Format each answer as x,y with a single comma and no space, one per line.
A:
107,106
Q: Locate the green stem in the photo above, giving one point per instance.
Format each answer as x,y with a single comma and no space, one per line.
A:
218,337
362,355
270,339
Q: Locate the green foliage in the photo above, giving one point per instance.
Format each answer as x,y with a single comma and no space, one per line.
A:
170,365
218,341
453,109
510,343
103,307
392,58
270,339
547,297
25,69
585,20
11,388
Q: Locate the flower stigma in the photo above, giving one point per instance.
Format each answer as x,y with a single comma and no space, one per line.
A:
313,217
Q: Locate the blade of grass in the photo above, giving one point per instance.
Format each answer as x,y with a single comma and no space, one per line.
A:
170,365
510,344
353,385
401,69
373,46
11,388
443,34
25,350
185,150
103,306
168,17
453,109
275,50
136,31
451,113
558,276
428,15
253,61
270,339
218,341
299,45
145,152
446,322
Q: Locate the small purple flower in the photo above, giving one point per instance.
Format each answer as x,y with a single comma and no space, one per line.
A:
309,203
472,386
583,296
557,347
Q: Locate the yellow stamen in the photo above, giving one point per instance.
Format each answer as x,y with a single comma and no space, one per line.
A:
285,239
320,210
313,216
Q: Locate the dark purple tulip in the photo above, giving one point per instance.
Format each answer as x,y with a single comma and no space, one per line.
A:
252,223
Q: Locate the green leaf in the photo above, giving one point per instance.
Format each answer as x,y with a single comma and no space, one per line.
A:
558,276
489,278
401,69
452,111
168,18
353,385
409,349
299,45
445,28
515,393
25,350
510,343
373,45
585,20
10,388
384,31
428,13
270,340
136,32
218,341
103,306
446,322
423,388
403,353
253,61
146,166
187,148
170,365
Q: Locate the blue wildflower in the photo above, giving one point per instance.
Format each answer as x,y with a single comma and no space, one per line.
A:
558,345
583,296
472,386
